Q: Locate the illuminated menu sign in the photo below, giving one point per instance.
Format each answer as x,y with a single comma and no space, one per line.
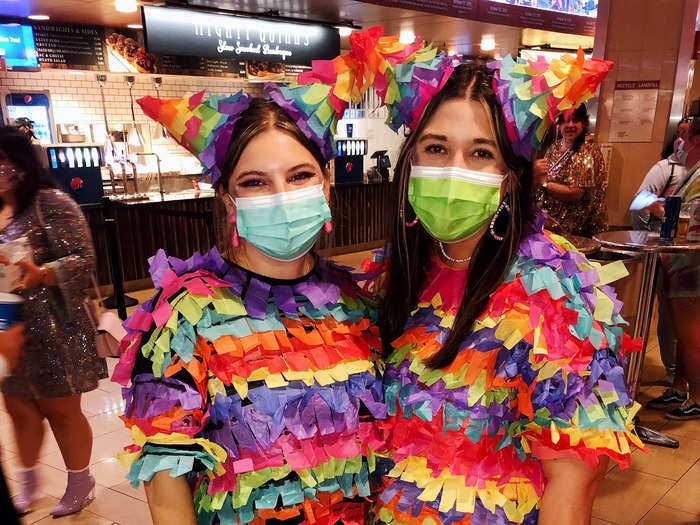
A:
17,46
564,16
194,33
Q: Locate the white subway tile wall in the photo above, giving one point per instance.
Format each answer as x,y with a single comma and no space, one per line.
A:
75,96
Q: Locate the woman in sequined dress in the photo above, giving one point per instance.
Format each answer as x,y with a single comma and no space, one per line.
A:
59,361
573,179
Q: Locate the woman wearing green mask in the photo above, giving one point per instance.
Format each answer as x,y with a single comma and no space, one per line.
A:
503,380
251,377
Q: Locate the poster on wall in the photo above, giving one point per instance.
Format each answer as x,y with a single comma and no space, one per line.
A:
634,110
126,53
564,16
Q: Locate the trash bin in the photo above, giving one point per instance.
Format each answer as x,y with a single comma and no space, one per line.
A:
628,288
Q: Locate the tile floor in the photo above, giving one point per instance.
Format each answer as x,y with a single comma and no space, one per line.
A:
661,488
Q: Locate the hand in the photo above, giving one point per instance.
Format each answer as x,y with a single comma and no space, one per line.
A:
656,209
32,275
11,343
539,172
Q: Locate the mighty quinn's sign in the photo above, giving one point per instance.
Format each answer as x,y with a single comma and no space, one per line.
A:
195,33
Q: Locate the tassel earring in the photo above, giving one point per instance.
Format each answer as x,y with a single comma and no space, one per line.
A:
328,227
235,241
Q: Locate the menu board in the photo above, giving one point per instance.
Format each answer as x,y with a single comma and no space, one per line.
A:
65,46
199,66
564,16
634,110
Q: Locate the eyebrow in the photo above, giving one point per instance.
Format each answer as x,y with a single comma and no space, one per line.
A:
443,138
263,173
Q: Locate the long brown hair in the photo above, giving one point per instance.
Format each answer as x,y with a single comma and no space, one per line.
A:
410,248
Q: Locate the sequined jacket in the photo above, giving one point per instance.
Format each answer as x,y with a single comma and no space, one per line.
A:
582,169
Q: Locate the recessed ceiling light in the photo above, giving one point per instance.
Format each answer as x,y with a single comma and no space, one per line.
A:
344,30
125,6
38,17
135,26
488,43
407,37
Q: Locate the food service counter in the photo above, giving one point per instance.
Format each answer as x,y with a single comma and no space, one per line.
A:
187,221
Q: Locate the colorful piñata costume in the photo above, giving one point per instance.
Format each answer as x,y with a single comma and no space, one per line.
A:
540,377
263,392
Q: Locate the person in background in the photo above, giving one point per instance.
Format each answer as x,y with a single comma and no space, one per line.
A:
572,179
59,361
683,288
661,180
26,126
11,343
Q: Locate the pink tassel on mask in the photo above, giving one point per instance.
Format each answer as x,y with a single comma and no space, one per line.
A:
328,227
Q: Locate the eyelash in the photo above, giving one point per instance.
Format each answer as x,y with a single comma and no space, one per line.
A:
258,181
439,149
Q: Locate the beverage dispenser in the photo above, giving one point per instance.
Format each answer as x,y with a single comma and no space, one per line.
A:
349,163
78,170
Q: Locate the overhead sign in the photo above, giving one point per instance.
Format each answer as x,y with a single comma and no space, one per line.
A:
195,33
564,16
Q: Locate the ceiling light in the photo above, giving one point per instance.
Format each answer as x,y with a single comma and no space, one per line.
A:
344,30
38,17
407,37
125,6
135,26
488,43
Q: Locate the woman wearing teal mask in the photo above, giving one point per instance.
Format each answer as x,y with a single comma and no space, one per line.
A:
252,377
503,384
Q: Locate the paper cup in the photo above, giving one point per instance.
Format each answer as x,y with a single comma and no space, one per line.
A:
10,309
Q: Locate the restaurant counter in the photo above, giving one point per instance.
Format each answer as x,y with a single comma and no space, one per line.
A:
192,220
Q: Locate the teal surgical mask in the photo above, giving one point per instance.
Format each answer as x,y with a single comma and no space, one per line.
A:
681,154
284,225
453,203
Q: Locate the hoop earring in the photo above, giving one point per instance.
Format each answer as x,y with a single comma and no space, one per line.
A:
503,206
412,223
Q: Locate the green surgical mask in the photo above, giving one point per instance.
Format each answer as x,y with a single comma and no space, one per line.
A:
453,203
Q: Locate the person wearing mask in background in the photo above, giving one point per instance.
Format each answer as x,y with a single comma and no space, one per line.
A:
572,179
490,357
59,360
663,178
11,343
683,289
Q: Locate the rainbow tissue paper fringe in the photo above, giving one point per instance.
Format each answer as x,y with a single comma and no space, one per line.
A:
533,93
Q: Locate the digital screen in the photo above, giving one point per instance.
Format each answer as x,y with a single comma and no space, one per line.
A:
35,107
17,46
572,7
194,33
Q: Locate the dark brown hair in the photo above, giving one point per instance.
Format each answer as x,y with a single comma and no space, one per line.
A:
411,247
260,116
18,148
580,114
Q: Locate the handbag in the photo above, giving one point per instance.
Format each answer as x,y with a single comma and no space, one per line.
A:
107,326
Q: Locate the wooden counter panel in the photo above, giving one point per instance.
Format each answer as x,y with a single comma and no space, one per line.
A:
360,219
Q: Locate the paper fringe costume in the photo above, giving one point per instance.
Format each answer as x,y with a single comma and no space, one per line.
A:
263,395
405,76
540,377
533,93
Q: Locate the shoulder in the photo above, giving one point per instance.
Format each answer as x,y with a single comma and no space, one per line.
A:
54,198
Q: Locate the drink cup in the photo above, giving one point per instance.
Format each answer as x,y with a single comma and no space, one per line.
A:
672,209
10,309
